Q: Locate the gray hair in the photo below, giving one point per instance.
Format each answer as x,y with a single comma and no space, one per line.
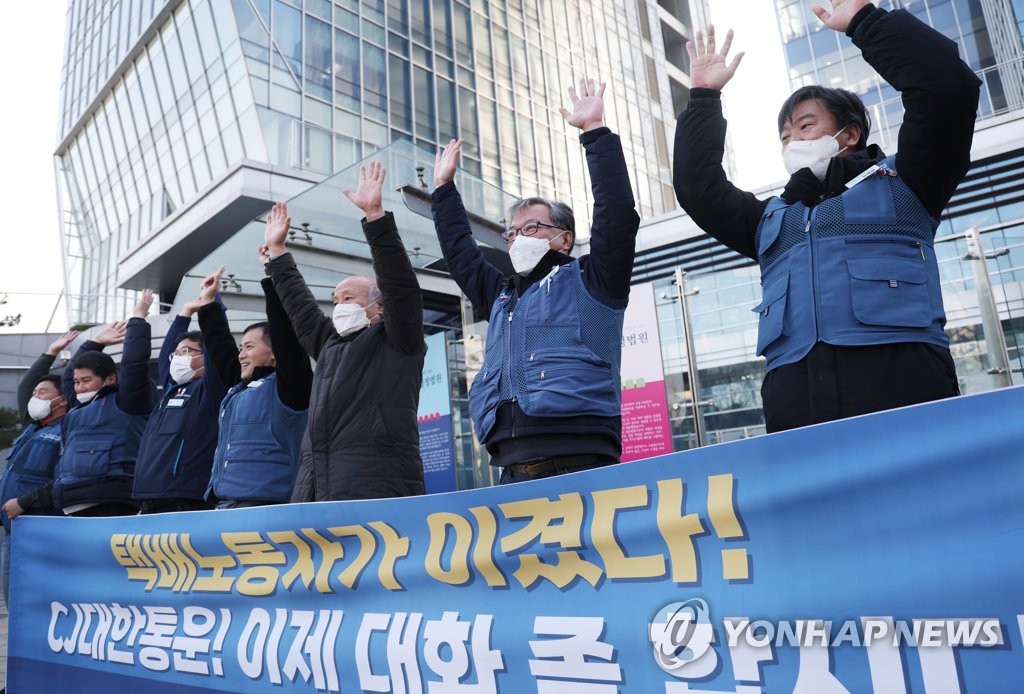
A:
374,294
561,214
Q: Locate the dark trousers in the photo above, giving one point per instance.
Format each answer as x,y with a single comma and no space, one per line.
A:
107,509
170,505
838,382
551,467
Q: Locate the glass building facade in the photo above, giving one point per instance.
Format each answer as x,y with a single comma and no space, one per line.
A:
181,120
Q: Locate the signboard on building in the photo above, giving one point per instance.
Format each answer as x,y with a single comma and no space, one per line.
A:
646,430
437,448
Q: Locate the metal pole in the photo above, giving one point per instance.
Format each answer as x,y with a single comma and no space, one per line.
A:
691,356
990,323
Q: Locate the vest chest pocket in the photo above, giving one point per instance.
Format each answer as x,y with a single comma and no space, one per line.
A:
890,292
771,311
90,455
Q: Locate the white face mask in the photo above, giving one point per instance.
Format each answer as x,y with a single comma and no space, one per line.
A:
815,155
526,252
86,397
348,318
181,368
39,409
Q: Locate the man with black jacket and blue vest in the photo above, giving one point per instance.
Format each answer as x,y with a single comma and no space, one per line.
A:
263,415
176,454
547,400
34,454
102,431
851,320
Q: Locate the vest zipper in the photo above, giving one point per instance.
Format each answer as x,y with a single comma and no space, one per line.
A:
812,243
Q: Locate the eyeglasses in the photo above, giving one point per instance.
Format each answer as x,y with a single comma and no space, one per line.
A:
528,229
186,351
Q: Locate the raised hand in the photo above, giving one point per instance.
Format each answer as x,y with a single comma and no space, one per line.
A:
843,12
587,106
367,196
112,334
447,162
61,342
278,224
144,304
708,68
263,254
189,308
209,288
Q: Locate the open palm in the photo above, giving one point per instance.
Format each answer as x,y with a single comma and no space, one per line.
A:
708,66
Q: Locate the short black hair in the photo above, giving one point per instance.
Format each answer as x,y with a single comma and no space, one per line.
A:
265,327
845,106
194,335
99,363
52,378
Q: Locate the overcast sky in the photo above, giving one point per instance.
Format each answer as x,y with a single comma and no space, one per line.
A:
31,46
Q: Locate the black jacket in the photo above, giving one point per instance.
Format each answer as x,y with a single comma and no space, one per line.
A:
607,269
363,438
940,95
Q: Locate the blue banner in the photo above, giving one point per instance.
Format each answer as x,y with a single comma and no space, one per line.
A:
883,553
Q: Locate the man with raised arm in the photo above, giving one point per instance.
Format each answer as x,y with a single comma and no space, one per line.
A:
547,400
851,320
102,430
176,454
34,454
363,439
264,413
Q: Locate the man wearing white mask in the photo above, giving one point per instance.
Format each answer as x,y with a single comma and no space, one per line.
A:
851,320
363,438
547,400
173,469
34,454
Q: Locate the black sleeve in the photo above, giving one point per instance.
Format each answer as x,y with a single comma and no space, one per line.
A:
219,345
717,206
39,499
478,279
135,391
40,367
313,328
294,374
400,291
940,95
616,222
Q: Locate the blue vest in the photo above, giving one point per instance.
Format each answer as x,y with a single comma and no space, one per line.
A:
178,445
556,352
258,445
34,455
857,269
101,443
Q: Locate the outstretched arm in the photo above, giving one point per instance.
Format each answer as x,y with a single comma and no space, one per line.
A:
40,368
221,350
136,393
717,206
615,225
313,328
400,291
112,334
480,281
294,374
939,91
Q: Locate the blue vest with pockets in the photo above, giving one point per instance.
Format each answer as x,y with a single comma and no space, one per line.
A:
857,269
101,443
31,462
556,352
258,444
